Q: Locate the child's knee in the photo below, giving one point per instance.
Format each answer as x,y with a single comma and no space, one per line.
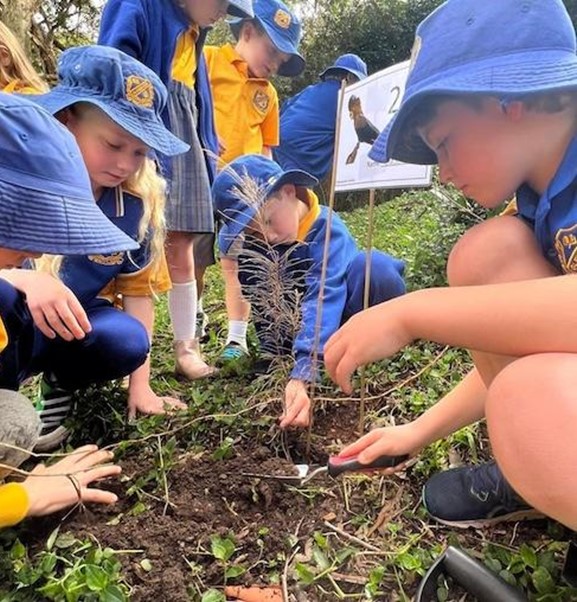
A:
19,428
501,249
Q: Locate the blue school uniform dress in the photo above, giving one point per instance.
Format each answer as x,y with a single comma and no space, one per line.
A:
283,284
553,215
117,343
307,129
159,34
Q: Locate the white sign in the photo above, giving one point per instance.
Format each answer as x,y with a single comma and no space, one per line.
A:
368,106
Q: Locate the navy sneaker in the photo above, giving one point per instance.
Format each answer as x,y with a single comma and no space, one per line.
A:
53,406
474,496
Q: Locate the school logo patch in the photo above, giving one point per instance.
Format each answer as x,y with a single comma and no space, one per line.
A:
566,247
113,259
261,101
139,91
282,18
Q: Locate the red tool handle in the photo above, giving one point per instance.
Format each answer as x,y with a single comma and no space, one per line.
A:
338,464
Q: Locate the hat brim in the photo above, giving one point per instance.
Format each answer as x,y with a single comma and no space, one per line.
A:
514,76
334,68
241,8
151,132
237,221
37,222
295,64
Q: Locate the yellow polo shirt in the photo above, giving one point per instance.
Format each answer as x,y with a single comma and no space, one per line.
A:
245,108
16,86
184,62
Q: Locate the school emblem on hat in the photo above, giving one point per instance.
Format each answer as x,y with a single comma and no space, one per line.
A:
566,247
112,259
282,18
139,91
261,101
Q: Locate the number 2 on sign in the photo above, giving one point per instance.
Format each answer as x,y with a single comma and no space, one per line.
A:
396,95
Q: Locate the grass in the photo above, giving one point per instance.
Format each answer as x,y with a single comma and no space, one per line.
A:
387,543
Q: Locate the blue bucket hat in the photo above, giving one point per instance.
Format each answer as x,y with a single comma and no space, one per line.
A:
348,62
46,200
238,203
503,48
241,9
284,29
127,91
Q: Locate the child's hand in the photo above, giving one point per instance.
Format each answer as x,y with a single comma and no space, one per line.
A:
297,405
49,490
386,441
144,400
370,335
53,306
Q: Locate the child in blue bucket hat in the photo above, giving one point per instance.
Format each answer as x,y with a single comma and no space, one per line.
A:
113,104
281,264
168,36
46,206
498,113
246,111
308,119
282,27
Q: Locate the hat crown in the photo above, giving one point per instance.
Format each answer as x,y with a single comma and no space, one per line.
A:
37,151
105,72
472,31
278,16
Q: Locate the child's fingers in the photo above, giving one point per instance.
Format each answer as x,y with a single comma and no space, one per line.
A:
354,449
80,315
98,496
41,323
72,318
98,473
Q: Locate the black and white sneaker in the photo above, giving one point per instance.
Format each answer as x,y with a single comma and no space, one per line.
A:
53,406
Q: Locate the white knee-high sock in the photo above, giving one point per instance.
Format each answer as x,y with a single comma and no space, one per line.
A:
182,306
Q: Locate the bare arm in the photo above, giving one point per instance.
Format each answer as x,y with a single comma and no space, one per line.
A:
514,319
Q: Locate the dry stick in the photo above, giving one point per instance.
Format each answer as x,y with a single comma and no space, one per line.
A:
358,541
164,480
367,291
324,264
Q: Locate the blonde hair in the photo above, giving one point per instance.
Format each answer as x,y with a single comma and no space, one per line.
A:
150,187
20,70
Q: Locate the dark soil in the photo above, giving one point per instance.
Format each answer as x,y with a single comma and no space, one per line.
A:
208,498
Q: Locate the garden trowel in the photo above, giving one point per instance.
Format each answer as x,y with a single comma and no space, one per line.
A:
335,466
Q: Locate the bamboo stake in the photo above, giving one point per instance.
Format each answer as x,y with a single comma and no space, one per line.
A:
324,263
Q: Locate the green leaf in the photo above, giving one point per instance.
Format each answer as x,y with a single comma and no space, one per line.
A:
222,548
543,581
112,593
146,565
320,559
529,556
213,595
65,541
52,538
442,594
232,572
96,578
305,575
18,550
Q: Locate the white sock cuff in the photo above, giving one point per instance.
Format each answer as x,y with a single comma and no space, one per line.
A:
237,332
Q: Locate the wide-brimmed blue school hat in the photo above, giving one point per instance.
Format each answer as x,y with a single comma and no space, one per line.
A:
503,48
126,90
243,187
348,62
241,8
46,200
284,29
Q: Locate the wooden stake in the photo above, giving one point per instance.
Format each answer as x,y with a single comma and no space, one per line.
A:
324,263
366,297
